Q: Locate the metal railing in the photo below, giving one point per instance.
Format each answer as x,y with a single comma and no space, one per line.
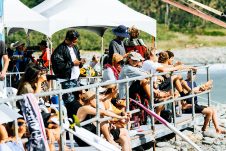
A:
96,86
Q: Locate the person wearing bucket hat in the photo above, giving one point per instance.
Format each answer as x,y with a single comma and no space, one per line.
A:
117,44
111,71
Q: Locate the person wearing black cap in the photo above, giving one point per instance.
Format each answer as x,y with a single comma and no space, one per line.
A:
66,62
4,65
117,44
44,56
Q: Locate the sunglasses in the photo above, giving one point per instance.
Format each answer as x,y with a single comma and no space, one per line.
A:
121,63
20,124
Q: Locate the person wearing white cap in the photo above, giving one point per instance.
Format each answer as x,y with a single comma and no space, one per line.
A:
141,87
131,70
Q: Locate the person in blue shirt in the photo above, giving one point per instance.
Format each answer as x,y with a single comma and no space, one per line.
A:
18,57
208,112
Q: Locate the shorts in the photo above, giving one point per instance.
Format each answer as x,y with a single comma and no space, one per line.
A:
45,117
90,127
198,109
115,133
165,85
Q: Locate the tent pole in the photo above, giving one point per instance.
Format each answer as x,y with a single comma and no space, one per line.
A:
153,42
102,53
49,53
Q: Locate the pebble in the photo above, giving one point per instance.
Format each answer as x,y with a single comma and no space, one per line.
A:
163,144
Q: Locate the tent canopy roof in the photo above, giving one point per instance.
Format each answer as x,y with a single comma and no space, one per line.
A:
45,5
17,15
96,13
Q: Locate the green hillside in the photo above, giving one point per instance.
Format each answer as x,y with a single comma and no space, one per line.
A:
177,29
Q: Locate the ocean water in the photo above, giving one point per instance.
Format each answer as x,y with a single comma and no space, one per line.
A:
218,75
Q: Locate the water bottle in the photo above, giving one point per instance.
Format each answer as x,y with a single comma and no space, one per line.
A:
178,112
88,72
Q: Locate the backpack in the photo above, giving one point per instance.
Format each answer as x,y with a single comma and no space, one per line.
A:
167,115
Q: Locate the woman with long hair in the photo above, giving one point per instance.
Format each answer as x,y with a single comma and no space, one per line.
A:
32,80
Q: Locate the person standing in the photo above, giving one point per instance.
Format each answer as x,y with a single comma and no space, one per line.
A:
44,56
19,60
117,44
4,63
134,43
66,63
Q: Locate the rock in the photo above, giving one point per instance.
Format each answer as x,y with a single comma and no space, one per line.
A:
163,144
223,142
184,144
165,148
187,133
217,142
168,149
210,134
198,135
217,148
208,140
177,143
183,149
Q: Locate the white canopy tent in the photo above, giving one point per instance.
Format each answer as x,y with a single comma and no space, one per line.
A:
97,14
45,5
18,15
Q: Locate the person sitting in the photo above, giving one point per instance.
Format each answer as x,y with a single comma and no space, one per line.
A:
166,79
31,82
152,66
7,135
134,43
140,88
111,71
209,112
88,111
104,58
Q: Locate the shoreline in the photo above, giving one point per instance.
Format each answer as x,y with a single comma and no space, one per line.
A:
201,55
208,140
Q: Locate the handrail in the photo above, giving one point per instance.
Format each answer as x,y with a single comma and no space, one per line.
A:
181,98
104,119
97,85
63,91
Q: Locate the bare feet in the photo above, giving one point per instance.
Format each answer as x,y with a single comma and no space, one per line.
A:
208,85
220,131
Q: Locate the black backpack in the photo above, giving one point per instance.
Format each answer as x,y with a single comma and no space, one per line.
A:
167,115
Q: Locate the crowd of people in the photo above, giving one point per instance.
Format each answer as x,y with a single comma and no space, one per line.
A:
127,57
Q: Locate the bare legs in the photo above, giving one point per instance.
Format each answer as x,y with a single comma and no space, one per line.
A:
105,130
124,140
211,114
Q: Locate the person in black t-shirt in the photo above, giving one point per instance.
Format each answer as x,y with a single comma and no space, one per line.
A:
209,112
3,64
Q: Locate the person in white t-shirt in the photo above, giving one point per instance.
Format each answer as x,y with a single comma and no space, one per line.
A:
66,64
152,66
